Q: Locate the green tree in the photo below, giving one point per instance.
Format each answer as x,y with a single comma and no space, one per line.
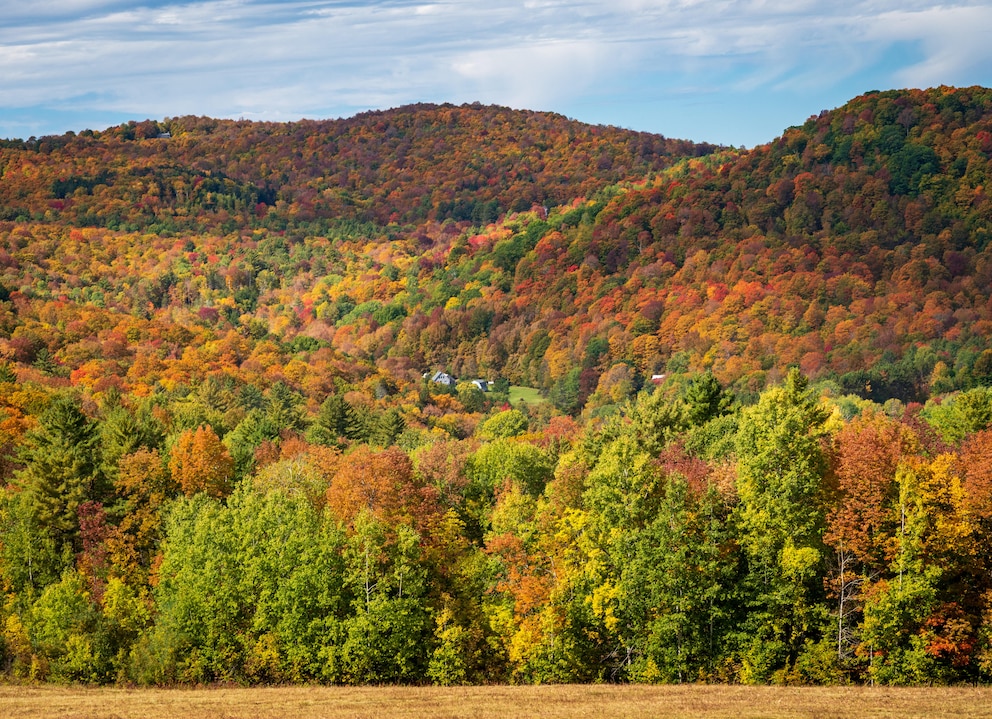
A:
62,468
30,557
199,605
63,625
705,399
623,493
656,419
291,574
504,460
122,432
359,422
624,486
331,422
388,635
677,590
781,516
285,408
961,414
252,591
565,392
243,440
388,427
472,398
509,423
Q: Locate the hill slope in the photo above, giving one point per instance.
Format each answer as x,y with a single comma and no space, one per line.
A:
855,246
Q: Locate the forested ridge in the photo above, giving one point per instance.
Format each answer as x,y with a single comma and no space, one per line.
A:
409,164
765,454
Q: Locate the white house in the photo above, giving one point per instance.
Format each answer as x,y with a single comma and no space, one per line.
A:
443,378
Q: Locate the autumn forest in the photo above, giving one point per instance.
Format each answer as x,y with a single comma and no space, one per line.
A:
464,394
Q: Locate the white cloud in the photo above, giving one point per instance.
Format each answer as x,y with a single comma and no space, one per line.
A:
265,58
957,42
536,75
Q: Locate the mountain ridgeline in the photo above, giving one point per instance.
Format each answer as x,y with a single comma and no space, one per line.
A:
467,163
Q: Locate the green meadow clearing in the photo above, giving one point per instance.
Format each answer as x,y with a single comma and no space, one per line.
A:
528,395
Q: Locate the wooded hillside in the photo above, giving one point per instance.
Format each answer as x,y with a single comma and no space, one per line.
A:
468,163
220,459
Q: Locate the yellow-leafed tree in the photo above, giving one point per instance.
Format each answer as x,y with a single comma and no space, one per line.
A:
201,463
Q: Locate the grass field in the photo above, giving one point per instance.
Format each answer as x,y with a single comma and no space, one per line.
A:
495,702
527,394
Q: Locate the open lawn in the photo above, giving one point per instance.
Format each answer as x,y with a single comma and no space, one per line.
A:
497,702
527,394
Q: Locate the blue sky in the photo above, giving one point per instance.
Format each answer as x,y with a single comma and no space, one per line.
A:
729,71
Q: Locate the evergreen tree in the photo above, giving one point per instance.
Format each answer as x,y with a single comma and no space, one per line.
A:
565,393
285,407
7,373
211,393
122,433
250,397
389,425
244,439
331,421
62,468
359,422
705,399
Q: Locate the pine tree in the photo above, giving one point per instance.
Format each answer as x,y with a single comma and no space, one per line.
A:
705,399
389,425
359,422
123,433
285,407
7,373
62,468
331,422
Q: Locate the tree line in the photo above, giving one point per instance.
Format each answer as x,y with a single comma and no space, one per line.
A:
803,538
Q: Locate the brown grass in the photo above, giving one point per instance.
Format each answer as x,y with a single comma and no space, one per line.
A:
494,702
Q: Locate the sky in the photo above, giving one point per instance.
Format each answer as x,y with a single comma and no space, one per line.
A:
735,72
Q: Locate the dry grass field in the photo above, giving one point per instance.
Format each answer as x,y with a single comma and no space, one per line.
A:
494,702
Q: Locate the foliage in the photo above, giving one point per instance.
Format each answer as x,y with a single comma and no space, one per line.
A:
199,462
763,455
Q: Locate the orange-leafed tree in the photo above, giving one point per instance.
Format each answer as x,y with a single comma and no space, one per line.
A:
384,484
868,452
975,463
201,463
976,466
442,465
145,485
